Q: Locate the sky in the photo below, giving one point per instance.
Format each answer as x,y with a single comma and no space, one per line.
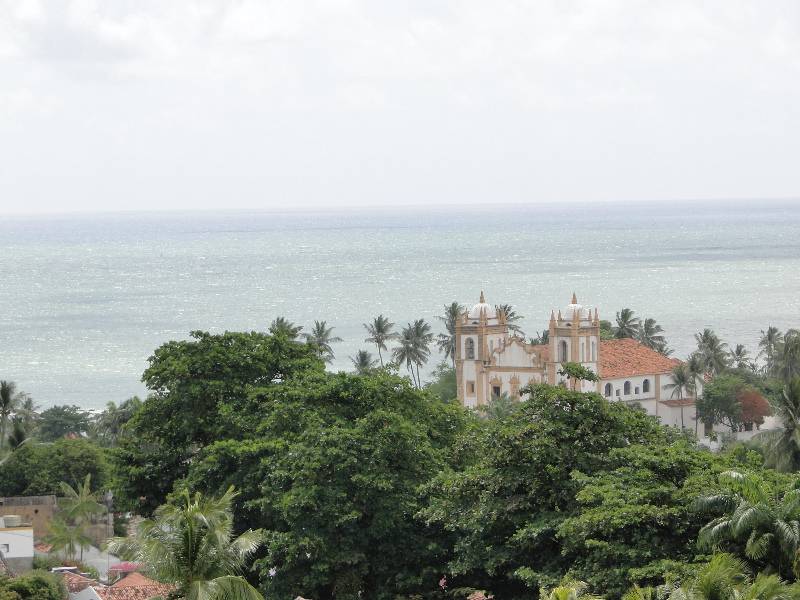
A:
216,104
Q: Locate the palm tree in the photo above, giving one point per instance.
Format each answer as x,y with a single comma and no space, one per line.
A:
363,362
499,407
649,334
782,445
404,351
541,338
511,317
80,503
66,538
380,332
682,384
712,351
10,401
740,358
568,589
421,341
321,337
190,544
284,327
447,341
770,341
627,324
789,360
18,434
767,527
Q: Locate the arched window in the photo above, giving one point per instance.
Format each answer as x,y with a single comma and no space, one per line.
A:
469,347
594,350
562,353
626,389
645,386
608,390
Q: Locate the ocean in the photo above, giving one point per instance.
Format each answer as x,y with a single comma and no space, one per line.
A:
85,299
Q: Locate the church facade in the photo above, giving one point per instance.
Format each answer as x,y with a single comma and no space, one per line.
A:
491,360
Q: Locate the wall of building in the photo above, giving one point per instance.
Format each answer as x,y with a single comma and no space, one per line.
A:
38,511
16,544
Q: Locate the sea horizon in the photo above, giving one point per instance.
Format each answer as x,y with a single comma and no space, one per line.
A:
89,296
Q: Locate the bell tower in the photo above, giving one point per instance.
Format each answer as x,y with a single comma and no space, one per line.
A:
574,337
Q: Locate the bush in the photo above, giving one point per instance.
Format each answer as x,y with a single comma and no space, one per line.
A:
36,585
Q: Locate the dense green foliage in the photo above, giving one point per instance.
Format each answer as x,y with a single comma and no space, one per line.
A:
36,585
36,469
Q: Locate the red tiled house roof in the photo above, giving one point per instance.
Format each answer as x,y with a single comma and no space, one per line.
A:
76,582
628,358
134,587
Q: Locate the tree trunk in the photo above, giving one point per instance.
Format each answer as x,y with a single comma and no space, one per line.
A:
379,354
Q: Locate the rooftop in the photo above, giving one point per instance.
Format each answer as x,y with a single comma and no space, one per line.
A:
628,358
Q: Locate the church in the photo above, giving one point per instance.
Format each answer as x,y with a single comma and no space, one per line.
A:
491,360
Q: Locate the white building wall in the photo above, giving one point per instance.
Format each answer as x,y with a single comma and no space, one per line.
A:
16,542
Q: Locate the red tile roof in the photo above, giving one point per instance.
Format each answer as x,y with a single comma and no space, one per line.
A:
126,567
134,587
627,358
76,582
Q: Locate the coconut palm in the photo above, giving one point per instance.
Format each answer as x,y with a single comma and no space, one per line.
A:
683,384
404,352
541,338
511,317
18,434
754,520
499,407
627,324
380,331
422,339
447,341
10,402
321,337
649,334
363,362
770,341
191,545
79,503
284,327
788,364
568,589
712,352
782,445
739,357
67,538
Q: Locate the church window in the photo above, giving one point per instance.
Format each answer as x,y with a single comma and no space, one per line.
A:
594,350
646,386
636,391
608,390
618,391
471,388
562,351
496,391
627,388
469,346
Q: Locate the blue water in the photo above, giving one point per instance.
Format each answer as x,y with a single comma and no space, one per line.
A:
84,300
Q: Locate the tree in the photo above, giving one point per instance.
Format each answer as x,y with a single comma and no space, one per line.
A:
782,445
511,317
19,433
683,384
281,326
756,521
576,372
380,331
568,589
67,538
443,383
789,359
739,357
649,334
447,341
505,506
404,353
628,325
199,393
541,338
332,473
363,362
190,543
499,407
80,504
721,400
36,469
60,421
108,425
10,401
321,337
770,342
414,349
606,330
712,352
34,585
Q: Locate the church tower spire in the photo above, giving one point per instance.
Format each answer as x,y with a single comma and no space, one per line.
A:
574,298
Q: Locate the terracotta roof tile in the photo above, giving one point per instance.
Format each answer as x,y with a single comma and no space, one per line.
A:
627,358
76,582
134,587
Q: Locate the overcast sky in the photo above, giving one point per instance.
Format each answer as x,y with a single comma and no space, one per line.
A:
151,104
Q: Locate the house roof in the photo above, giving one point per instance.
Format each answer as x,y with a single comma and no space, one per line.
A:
628,358
126,567
76,582
134,587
